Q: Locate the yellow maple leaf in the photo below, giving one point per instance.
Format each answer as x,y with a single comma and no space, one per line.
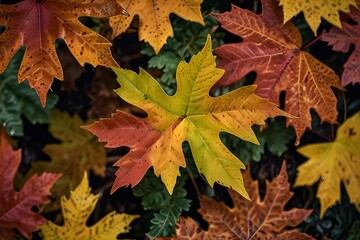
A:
190,115
154,21
332,163
314,10
78,152
76,211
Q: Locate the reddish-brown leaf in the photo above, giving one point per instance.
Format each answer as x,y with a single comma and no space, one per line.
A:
341,41
37,24
133,132
16,207
257,219
273,51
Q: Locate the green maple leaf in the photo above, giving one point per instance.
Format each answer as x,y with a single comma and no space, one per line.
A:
190,115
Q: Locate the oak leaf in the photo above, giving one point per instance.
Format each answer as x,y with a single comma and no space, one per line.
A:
77,209
37,24
333,163
341,40
315,10
191,115
78,151
16,208
257,219
154,20
274,52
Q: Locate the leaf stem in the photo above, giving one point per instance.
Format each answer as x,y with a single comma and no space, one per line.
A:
345,106
113,159
103,188
193,182
321,135
312,42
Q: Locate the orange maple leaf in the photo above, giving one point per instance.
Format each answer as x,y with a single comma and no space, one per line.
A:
37,24
257,219
274,52
154,21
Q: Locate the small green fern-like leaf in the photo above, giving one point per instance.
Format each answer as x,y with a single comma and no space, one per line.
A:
166,208
274,138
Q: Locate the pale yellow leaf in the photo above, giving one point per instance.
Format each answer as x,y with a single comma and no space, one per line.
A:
333,163
76,211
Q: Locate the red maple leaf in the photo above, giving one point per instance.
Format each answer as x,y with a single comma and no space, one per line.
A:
341,41
274,52
16,207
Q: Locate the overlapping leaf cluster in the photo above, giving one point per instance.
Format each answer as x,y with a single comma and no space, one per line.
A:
191,115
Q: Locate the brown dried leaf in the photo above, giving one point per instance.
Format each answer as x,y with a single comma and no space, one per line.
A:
257,219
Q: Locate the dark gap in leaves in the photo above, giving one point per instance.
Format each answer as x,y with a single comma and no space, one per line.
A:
10,1
344,226
268,168
35,138
282,98
75,102
222,194
126,51
321,130
352,22
230,37
352,99
90,22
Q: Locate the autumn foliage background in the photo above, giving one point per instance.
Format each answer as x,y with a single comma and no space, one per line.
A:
137,119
